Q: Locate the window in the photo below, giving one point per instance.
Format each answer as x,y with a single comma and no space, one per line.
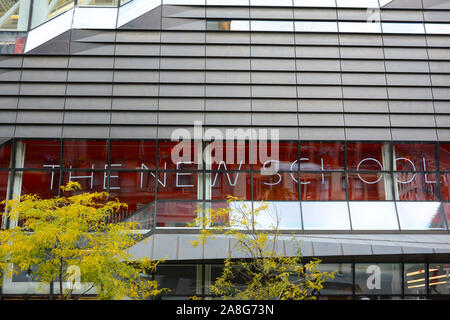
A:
315,26
325,216
46,9
420,215
14,15
5,155
373,216
98,3
378,278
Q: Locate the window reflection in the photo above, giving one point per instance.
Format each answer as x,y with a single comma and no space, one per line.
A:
325,216
180,280
280,215
378,278
403,28
359,27
368,156
420,215
437,28
444,156
281,186
323,186
260,25
5,155
14,14
415,157
369,186
176,214
342,284
315,26
373,216
44,10
439,278
85,154
42,154
230,183
415,274
133,154
321,156
416,186
98,3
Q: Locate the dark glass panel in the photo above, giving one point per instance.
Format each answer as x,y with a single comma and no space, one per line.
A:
233,155
369,186
172,214
444,156
282,156
85,154
178,186
415,157
133,154
180,279
417,186
41,154
5,155
321,156
342,284
368,156
282,186
415,274
323,186
178,155
439,281
225,183
42,183
378,278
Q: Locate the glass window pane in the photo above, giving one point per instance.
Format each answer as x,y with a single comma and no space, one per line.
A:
420,215
279,3
133,154
136,189
5,155
98,3
83,154
232,155
282,186
178,155
42,153
359,27
369,186
42,183
280,215
178,186
14,15
342,284
417,186
315,26
446,207
175,214
322,156
415,157
323,186
378,278
373,216
228,2
90,181
325,216
95,18
444,156
415,274
237,184
3,191
282,156
368,156
44,10
180,279
439,281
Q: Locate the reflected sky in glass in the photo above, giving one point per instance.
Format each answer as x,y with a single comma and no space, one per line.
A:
287,214
325,216
420,215
373,216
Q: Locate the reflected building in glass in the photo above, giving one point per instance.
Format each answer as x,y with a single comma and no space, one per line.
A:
94,91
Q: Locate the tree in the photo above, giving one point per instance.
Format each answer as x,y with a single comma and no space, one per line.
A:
265,274
67,241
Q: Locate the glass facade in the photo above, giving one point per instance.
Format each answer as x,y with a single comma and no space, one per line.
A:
358,281
318,186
